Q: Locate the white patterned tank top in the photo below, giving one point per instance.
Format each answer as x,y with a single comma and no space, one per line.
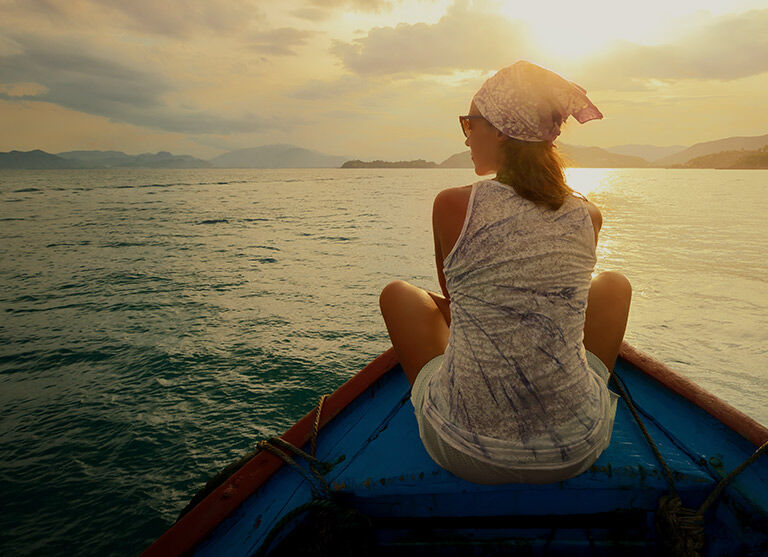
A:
514,387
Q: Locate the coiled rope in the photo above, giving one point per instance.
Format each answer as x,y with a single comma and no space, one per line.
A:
680,529
333,529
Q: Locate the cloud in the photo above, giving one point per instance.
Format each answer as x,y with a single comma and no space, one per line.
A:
316,89
730,47
279,42
9,47
170,18
23,89
312,14
727,47
375,6
69,73
321,10
460,40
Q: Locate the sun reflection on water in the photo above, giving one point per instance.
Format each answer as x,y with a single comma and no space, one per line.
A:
588,181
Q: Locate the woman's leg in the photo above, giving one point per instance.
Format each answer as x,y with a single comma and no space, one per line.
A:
443,305
415,323
607,312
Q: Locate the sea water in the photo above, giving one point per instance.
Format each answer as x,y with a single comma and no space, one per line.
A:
156,324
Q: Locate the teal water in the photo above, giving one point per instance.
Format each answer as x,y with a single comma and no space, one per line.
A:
157,324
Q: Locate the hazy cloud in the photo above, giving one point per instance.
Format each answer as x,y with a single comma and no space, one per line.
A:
460,40
312,14
279,42
69,74
730,47
374,6
321,10
175,18
23,89
316,89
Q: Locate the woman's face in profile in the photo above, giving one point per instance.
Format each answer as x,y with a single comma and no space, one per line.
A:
484,142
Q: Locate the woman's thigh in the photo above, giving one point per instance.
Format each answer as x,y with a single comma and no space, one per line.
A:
610,294
415,323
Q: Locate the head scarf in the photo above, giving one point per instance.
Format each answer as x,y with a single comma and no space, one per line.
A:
524,101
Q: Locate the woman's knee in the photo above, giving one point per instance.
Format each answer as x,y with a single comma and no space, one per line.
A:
393,292
613,284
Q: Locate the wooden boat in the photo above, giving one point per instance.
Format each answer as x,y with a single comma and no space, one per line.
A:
411,506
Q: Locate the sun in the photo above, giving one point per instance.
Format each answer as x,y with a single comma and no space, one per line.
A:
581,30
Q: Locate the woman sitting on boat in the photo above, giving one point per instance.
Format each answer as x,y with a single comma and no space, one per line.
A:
509,367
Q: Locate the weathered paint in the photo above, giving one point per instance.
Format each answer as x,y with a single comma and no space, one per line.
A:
388,475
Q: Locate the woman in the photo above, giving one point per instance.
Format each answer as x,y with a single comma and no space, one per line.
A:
509,368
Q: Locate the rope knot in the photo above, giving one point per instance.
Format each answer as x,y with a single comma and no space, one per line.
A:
680,530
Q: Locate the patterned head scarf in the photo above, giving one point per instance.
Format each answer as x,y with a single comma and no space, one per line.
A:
525,101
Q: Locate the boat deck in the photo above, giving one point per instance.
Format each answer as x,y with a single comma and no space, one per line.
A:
415,505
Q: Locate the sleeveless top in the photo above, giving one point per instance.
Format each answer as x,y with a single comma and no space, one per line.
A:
514,387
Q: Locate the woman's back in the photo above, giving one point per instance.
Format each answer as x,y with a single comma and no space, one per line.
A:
514,385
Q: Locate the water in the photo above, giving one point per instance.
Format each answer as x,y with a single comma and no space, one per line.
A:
157,324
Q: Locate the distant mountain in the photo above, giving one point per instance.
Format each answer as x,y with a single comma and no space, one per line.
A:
711,147
418,163
575,155
277,156
648,152
118,159
97,159
459,160
595,157
731,159
35,160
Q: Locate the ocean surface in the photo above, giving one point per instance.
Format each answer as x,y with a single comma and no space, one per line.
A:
156,324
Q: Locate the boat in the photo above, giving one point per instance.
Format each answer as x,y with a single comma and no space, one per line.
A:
369,481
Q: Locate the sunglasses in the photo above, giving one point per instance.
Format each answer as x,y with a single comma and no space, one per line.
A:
466,123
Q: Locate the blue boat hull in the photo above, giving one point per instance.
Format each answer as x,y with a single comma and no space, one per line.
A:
418,508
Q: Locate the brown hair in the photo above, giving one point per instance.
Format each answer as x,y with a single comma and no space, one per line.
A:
535,170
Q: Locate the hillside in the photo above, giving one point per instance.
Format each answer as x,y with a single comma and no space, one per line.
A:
595,157
277,156
118,159
731,159
648,152
418,163
35,160
712,147
459,160
575,155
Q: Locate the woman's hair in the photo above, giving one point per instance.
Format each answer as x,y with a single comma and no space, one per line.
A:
535,170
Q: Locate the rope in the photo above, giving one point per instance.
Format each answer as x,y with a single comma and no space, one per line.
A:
269,445
272,445
332,529
656,451
318,467
681,530
316,424
337,525
721,486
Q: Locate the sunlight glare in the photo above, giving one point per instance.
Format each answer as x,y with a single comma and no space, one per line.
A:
581,32
588,181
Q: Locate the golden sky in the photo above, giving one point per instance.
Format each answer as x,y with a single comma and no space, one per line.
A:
366,78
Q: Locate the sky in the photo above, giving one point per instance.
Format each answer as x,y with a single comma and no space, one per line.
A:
366,78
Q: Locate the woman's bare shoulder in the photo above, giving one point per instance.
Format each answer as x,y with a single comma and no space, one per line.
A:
451,196
595,215
450,205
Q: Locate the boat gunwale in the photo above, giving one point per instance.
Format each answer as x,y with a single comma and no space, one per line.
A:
183,536
736,420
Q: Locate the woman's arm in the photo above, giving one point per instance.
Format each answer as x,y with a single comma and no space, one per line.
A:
443,302
597,218
436,212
